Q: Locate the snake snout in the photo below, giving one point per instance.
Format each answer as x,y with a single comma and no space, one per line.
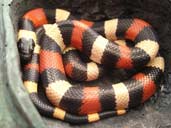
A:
26,47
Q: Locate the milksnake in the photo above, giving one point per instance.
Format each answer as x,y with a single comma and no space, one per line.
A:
41,49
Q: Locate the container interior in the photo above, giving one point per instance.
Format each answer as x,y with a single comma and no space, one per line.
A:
154,113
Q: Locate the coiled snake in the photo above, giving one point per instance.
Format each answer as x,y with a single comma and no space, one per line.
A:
42,50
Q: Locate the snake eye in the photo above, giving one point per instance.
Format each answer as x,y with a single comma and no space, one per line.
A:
31,47
20,46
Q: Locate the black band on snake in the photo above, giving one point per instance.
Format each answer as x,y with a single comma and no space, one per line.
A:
80,103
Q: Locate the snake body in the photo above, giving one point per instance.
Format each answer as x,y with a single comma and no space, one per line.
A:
81,103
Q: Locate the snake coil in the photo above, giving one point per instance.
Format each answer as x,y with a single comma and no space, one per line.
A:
41,49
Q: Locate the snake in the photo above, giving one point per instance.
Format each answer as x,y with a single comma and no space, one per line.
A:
50,60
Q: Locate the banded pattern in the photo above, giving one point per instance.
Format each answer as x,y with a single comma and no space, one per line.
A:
109,53
136,30
82,104
96,99
32,20
79,70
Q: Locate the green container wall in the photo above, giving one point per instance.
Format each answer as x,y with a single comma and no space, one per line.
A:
16,109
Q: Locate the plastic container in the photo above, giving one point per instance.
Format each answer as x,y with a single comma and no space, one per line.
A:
16,109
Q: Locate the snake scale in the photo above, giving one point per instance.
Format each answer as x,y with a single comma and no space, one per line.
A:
43,48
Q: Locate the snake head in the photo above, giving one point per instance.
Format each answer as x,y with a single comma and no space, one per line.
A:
25,48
